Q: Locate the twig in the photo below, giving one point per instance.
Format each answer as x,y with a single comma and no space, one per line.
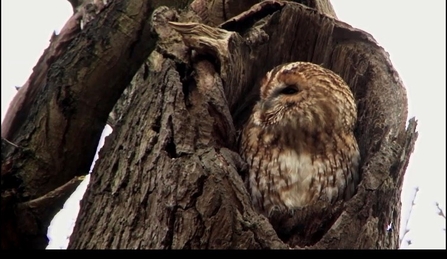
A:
440,212
409,216
10,143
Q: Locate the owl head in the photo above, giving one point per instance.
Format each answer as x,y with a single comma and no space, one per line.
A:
305,96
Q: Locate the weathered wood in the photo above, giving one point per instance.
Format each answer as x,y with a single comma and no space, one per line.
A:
168,176
212,13
55,120
162,176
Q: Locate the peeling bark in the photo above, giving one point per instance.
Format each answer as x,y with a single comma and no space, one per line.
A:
55,121
169,176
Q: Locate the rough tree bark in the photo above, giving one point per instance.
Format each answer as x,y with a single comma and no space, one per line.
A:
169,175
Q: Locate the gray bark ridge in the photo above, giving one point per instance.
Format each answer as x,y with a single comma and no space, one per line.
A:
169,177
53,125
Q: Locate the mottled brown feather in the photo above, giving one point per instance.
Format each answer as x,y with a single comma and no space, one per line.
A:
302,154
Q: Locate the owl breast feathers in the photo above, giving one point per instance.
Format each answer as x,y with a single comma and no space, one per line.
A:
299,142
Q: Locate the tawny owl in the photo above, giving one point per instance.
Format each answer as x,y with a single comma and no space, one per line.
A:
299,143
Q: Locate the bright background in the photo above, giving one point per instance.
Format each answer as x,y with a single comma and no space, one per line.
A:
412,32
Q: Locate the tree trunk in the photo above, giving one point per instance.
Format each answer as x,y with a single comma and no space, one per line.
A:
169,176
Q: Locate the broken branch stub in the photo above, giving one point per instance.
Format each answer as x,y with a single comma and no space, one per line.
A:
307,35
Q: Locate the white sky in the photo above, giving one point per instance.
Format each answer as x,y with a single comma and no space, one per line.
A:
412,32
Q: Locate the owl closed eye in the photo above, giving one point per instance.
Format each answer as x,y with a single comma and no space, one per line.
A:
299,141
